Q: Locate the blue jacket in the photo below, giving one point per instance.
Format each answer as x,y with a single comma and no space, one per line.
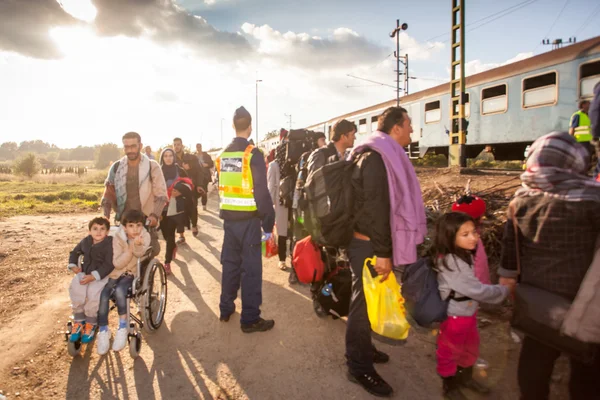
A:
265,211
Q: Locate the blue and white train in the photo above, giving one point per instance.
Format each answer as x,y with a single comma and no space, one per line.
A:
507,107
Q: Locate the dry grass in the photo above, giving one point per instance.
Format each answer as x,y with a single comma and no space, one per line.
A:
31,197
93,176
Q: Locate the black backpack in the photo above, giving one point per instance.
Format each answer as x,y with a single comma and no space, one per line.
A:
421,293
329,197
336,304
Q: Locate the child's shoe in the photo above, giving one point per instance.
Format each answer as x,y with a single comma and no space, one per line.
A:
465,379
76,330
451,389
103,342
120,339
89,331
168,268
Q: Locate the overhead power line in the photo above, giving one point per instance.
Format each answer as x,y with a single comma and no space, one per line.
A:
553,24
517,6
588,20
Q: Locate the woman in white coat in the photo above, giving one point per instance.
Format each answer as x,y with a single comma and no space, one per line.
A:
281,212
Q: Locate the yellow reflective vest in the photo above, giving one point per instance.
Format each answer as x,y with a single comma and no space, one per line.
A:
583,133
236,189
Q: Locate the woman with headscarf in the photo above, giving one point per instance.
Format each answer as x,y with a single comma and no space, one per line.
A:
179,188
557,213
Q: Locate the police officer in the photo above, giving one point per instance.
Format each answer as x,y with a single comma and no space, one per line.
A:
245,204
580,125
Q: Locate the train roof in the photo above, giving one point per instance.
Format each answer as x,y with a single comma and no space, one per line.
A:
564,54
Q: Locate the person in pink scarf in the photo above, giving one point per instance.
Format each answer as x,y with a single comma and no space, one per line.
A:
475,207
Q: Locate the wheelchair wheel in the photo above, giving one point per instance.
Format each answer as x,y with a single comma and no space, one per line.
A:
74,348
135,345
154,300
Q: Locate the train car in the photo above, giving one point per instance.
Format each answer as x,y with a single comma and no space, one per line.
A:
507,107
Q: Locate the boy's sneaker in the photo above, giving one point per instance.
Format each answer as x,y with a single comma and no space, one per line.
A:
89,331
103,342
262,325
372,383
120,339
76,330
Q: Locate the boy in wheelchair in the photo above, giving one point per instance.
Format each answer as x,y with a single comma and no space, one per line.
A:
130,242
90,278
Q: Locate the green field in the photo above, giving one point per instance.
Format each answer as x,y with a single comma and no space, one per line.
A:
28,197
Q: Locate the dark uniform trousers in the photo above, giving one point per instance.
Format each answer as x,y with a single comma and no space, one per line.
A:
242,265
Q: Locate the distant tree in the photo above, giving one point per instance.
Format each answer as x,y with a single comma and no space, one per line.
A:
271,134
35,146
83,153
27,165
10,146
106,153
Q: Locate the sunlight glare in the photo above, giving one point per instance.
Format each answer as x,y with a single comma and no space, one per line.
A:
80,9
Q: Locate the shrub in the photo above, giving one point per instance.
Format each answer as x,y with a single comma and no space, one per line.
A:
27,165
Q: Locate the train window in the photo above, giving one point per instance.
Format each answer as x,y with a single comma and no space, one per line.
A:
540,90
589,76
374,123
467,105
362,126
494,100
433,112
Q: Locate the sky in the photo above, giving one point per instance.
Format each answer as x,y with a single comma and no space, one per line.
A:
84,72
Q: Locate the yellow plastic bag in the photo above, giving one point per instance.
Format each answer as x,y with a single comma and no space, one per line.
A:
385,304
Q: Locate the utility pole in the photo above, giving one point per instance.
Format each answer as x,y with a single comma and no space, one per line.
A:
257,81
396,33
290,117
457,148
406,75
558,43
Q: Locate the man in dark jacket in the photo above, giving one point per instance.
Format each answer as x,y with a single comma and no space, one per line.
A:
190,163
372,237
344,134
594,114
206,163
245,205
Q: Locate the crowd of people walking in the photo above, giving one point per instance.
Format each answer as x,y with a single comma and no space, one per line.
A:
549,245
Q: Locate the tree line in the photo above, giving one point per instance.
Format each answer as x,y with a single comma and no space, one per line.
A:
49,156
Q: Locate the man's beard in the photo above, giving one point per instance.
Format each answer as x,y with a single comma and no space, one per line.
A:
133,156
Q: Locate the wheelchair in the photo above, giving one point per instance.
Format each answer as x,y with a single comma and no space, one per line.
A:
149,292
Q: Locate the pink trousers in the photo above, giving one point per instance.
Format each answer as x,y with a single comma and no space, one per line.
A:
457,344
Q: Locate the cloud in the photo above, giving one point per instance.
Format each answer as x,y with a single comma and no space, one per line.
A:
166,96
477,66
342,50
418,51
24,26
164,22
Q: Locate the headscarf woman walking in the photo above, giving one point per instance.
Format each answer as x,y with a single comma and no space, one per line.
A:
179,188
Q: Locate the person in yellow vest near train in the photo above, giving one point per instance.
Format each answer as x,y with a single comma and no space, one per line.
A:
580,125
245,205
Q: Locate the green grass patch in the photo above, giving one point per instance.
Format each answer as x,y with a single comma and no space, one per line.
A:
23,197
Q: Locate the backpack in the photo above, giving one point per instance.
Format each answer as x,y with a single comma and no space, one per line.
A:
337,300
421,293
329,196
286,191
307,261
288,153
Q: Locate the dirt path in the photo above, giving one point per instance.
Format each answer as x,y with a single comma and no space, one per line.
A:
193,355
